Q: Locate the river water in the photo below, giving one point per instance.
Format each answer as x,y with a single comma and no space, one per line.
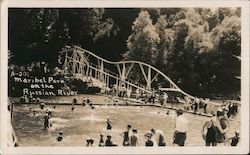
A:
85,122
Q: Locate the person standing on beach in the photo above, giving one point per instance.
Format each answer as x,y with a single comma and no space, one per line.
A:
129,92
181,127
137,92
165,98
221,126
126,135
159,136
230,110
205,107
196,104
209,133
133,138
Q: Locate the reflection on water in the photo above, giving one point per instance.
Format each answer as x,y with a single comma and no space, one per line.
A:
92,118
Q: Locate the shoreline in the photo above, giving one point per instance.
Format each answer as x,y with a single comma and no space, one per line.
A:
128,102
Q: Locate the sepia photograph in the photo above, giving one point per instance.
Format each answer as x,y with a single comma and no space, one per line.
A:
130,77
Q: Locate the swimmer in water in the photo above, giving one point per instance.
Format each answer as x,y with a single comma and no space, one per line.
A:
73,104
46,121
109,124
89,142
101,142
59,136
72,108
42,105
84,100
49,114
88,100
32,113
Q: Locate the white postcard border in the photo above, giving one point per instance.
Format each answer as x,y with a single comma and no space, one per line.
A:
243,148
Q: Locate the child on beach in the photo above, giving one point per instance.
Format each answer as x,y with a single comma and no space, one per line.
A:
133,138
234,140
109,142
89,142
159,136
149,142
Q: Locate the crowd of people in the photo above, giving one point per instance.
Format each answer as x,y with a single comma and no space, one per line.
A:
214,131
196,105
154,137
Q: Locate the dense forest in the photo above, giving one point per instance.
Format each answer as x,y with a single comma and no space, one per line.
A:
196,47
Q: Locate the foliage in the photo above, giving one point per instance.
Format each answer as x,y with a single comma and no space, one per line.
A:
196,47
143,39
165,45
35,33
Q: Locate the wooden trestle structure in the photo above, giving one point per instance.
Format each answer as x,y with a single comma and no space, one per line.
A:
83,64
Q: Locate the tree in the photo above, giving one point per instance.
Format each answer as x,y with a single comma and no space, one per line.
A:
191,39
227,39
165,45
143,40
153,12
113,46
194,46
30,29
39,34
142,43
